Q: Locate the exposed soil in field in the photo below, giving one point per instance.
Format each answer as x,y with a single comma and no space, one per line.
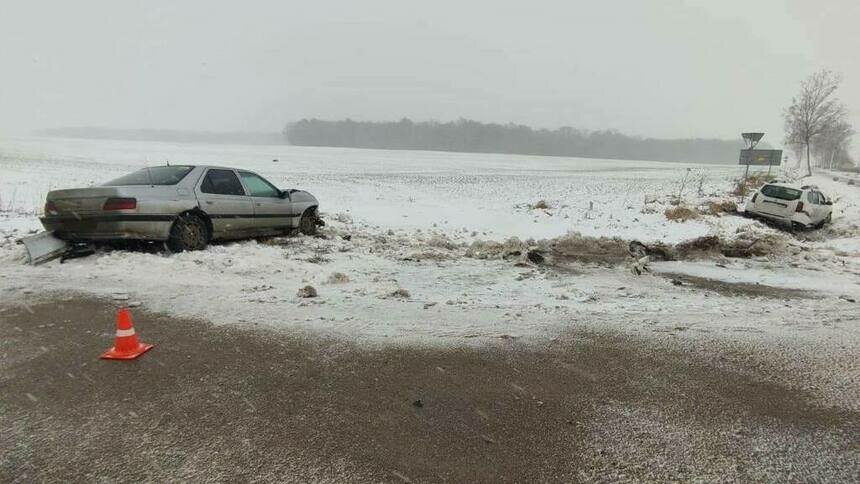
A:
738,289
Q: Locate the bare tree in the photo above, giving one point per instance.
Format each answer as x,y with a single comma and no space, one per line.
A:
813,111
832,145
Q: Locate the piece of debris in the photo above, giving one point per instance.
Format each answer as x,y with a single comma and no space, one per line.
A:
399,292
488,439
848,298
540,204
338,278
307,291
429,305
535,257
418,403
346,237
677,282
640,266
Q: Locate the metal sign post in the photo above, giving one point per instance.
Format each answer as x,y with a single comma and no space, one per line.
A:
751,156
750,139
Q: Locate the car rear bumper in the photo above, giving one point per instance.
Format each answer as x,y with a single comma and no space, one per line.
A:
796,219
107,227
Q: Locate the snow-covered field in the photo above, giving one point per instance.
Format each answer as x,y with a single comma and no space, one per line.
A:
409,190
417,221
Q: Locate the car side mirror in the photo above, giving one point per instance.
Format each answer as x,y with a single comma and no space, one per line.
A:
283,194
828,202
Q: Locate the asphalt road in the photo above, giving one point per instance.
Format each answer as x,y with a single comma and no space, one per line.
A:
241,403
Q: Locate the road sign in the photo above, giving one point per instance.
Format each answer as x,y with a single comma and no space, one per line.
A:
761,157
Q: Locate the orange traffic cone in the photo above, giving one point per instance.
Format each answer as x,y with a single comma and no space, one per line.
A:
125,346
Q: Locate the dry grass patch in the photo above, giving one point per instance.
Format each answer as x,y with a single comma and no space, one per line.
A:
681,213
743,186
721,206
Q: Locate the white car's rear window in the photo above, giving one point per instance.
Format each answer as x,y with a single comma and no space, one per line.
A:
782,193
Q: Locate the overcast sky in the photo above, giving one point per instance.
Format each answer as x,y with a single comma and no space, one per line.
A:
663,68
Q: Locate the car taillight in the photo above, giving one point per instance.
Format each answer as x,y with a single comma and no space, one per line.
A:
120,204
755,195
799,207
50,208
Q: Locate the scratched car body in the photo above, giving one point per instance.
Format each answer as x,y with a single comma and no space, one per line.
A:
183,205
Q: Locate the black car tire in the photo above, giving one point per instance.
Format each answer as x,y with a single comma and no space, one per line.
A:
189,232
308,222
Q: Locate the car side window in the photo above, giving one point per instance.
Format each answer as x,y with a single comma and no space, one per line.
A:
222,182
258,186
811,198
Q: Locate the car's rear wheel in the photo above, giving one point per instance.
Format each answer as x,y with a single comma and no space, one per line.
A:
824,222
308,222
189,232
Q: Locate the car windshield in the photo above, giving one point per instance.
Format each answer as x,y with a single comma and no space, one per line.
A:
159,175
782,193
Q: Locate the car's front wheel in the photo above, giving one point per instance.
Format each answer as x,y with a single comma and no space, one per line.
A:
308,222
189,232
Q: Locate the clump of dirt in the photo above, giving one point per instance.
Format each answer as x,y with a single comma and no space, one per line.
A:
338,278
754,245
681,213
699,246
746,245
399,293
307,291
490,249
430,255
576,247
442,242
540,204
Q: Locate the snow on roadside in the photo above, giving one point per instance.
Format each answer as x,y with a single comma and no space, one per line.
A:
412,217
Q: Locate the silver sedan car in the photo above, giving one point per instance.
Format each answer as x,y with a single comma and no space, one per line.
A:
184,206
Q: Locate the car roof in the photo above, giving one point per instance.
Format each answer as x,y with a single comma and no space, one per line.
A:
787,185
217,167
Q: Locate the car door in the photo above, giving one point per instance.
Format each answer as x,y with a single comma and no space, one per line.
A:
222,196
272,207
819,208
822,208
826,206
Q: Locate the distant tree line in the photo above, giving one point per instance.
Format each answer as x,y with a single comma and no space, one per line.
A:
166,135
472,136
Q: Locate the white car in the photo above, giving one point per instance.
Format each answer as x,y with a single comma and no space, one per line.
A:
798,206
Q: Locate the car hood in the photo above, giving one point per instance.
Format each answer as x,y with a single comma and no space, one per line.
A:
301,196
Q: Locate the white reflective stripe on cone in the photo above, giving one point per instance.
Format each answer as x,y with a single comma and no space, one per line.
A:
121,333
